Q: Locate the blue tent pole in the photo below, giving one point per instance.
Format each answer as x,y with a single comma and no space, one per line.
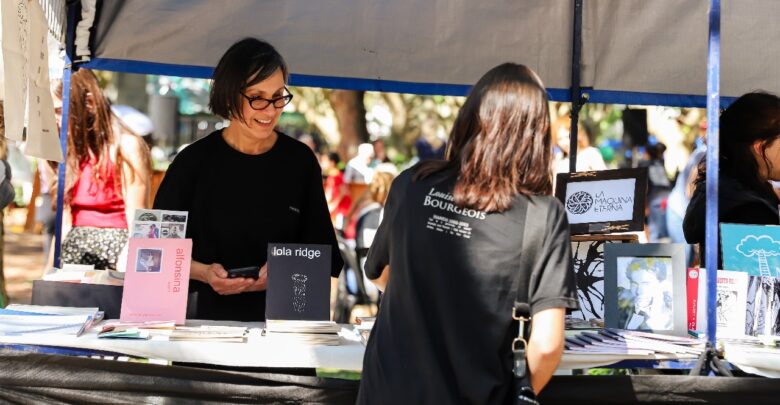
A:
66,72
713,149
576,97
62,167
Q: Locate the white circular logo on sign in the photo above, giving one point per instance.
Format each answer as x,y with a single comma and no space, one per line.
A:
579,202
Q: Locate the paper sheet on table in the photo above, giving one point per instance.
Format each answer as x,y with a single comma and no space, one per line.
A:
42,135
15,37
27,93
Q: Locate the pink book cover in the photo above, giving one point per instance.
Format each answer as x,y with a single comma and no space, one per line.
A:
156,280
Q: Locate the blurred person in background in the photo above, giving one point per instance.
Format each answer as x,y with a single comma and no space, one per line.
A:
658,187
381,162
358,169
588,157
373,198
336,191
107,178
680,196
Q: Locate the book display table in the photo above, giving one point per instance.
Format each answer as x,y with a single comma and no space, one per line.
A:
260,351
28,375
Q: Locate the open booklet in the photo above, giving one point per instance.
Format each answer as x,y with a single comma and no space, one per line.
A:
19,319
616,341
167,330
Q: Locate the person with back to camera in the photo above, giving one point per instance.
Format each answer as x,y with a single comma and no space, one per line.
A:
749,159
448,253
108,176
246,186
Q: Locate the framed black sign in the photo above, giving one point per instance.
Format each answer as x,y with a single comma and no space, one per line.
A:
605,201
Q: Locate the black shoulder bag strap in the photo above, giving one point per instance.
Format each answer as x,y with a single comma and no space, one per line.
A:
533,236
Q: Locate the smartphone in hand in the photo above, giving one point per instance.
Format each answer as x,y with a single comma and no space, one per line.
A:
248,272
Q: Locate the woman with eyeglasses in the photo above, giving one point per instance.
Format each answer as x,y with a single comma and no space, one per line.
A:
246,185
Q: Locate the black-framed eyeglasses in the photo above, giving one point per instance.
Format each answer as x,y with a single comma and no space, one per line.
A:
260,103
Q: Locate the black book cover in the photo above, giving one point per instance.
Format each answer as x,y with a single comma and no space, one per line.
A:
298,282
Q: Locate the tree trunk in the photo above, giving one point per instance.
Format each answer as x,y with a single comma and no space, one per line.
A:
351,116
3,155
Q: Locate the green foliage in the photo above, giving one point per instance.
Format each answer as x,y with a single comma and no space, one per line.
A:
607,371
340,374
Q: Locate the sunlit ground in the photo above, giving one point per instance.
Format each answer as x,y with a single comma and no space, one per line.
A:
23,256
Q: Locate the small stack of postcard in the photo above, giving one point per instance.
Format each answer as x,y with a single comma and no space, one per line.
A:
157,224
167,330
19,319
363,327
616,341
209,333
304,332
134,330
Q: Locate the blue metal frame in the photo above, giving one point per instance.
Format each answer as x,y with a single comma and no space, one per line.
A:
576,92
713,102
330,82
69,39
713,150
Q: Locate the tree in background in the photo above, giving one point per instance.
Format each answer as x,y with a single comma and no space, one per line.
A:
3,155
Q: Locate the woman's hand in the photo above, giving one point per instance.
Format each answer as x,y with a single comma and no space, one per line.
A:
261,282
217,277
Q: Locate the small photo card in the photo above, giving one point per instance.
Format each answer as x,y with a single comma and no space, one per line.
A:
150,231
143,215
148,260
154,224
172,230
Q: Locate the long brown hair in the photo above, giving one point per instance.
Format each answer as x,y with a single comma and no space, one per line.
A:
500,143
753,117
376,191
89,131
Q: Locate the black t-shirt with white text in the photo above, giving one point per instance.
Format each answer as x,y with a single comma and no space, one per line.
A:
444,328
239,203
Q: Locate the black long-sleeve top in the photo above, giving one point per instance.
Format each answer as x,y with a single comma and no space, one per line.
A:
239,203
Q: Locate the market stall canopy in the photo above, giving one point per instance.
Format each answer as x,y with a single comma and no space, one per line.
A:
633,51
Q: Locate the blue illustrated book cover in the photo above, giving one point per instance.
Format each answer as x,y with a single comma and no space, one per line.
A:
754,249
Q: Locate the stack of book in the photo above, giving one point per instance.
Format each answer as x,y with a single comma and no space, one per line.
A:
615,341
167,330
209,333
134,330
305,332
19,319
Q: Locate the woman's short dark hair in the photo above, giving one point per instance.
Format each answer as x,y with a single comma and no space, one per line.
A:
246,63
753,117
500,143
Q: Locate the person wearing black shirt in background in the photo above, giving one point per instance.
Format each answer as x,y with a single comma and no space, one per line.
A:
749,159
448,253
245,186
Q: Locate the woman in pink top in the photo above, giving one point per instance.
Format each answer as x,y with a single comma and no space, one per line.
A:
108,176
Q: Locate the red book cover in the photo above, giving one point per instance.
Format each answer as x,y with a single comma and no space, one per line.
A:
692,290
156,280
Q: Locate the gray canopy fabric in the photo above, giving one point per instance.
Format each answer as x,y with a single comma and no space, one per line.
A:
633,51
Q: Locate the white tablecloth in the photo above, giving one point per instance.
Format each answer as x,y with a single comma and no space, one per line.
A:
763,361
259,351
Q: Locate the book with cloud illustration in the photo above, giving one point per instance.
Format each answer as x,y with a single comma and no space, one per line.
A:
754,249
